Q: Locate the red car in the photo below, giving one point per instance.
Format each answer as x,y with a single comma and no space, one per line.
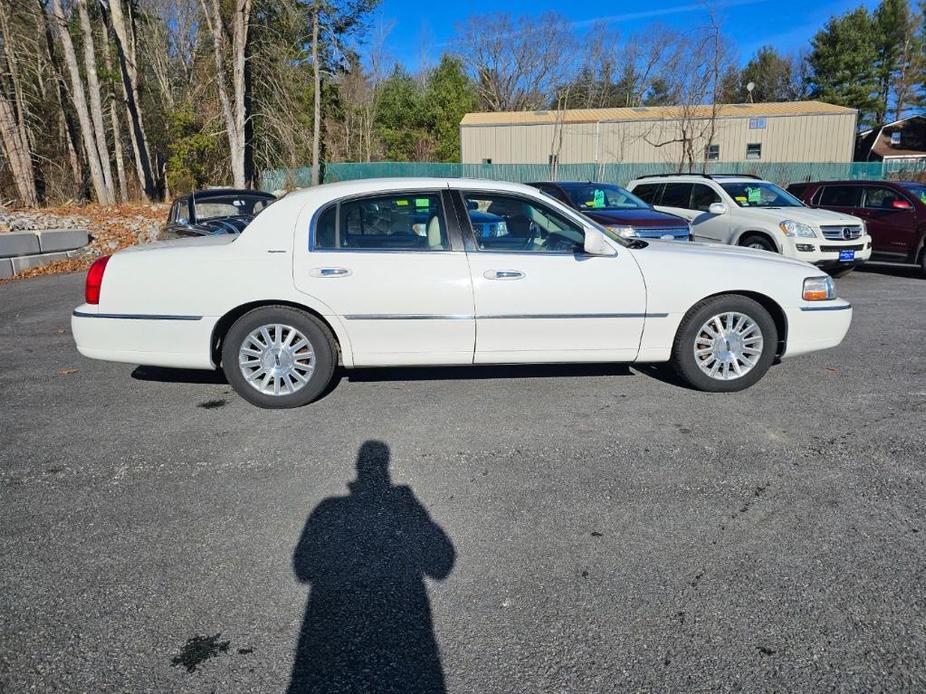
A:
894,212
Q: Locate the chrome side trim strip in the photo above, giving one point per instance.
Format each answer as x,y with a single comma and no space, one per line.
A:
826,308
407,316
561,316
513,316
133,316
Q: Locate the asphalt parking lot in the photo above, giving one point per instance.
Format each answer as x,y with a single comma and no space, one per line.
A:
506,530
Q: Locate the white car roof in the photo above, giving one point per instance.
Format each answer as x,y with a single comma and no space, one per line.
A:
690,178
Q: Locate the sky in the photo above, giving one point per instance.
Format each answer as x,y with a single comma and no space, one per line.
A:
416,28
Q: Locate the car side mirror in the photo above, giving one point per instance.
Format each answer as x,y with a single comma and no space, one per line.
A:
899,204
717,208
595,244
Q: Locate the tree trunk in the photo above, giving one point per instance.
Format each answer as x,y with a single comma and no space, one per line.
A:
70,127
18,154
233,111
114,119
93,89
126,49
317,110
79,97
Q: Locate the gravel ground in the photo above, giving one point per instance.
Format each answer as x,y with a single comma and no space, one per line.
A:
545,529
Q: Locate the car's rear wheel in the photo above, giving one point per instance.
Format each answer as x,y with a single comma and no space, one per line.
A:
725,343
278,357
759,242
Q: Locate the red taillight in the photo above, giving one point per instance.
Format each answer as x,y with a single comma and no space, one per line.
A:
95,280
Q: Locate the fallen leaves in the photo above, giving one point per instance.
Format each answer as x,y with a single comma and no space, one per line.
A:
67,371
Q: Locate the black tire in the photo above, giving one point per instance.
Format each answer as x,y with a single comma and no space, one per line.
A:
683,356
759,242
321,341
922,262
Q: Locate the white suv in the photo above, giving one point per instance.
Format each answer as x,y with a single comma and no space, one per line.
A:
747,211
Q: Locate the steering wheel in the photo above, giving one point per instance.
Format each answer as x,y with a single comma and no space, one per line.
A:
533,235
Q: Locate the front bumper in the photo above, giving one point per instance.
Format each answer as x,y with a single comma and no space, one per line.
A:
825,253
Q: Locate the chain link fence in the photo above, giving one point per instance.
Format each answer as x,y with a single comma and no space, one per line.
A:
620,174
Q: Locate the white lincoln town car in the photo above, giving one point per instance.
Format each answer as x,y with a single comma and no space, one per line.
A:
419,271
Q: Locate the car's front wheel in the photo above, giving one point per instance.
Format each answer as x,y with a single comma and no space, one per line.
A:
759,242
278,357
725,343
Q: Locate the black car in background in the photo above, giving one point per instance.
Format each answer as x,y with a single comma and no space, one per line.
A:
214,211
617,209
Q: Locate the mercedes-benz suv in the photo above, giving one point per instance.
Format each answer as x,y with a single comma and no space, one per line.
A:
744,210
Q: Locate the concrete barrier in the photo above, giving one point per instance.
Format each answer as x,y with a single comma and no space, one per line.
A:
15,243
62,239
6,269
25,262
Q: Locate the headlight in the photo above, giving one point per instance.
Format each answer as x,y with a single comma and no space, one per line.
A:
626,232
819,288
791,228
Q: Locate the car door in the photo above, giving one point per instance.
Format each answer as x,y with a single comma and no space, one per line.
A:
892,230
393,268
704,225
538,296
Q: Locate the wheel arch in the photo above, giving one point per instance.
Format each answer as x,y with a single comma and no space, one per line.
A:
757,232
768,303
220,330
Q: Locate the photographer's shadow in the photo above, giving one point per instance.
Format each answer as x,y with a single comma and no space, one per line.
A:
367,624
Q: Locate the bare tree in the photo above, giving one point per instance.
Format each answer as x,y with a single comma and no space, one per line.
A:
93,92
517,63
79,98
14,134
125,45
233,107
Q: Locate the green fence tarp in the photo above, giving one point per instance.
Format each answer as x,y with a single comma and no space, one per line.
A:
778,172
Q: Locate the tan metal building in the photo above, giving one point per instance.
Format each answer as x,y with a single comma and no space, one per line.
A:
801,131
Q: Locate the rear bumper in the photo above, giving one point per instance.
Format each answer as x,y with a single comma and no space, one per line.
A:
169,341
815,327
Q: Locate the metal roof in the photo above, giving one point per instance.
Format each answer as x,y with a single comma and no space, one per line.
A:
643,113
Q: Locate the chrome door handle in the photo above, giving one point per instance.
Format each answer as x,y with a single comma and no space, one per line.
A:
503,275
329,272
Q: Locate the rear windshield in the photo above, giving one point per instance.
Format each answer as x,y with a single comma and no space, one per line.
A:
229,206
760,194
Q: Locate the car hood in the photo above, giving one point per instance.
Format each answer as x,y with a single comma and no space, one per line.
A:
637,218
718,251
805,215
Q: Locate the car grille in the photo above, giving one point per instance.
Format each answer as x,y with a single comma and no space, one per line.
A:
841,232
835,249
679,233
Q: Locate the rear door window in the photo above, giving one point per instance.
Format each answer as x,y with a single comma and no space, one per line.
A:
840,196
410,221
677,195
649,192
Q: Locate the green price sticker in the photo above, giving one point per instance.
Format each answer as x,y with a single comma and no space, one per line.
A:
599,198
754,195
422,202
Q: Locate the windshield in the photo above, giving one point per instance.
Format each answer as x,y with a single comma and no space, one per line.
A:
595,196
917,189
760,194
229,206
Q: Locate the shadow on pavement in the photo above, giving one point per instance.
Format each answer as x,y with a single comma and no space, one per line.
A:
367,625
891,269
167,375
451,373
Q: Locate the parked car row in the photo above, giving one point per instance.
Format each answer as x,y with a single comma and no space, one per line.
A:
836,225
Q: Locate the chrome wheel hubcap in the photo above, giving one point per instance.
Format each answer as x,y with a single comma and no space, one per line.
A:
728,346
276,359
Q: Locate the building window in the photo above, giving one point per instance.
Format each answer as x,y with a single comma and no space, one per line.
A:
754,151
757,124
487,161
712,153
895,138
